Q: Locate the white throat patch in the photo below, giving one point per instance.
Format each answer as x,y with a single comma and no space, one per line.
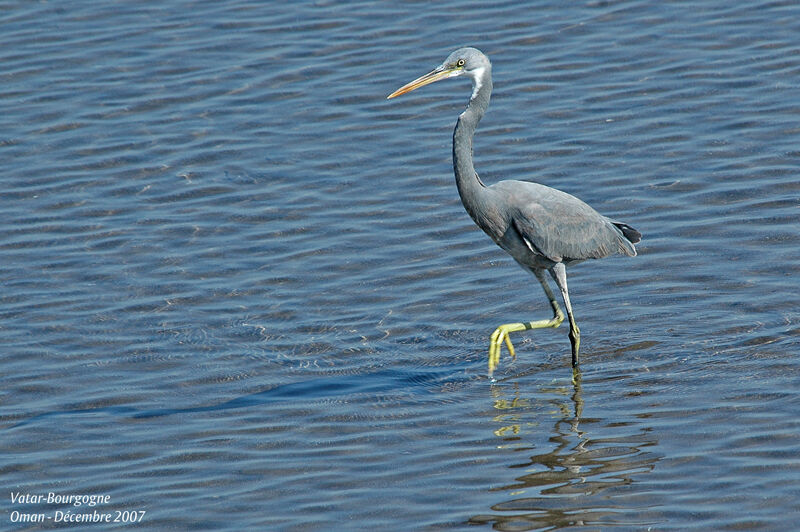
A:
476,74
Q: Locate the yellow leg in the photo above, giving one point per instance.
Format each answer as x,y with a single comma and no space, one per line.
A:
500,335
559,273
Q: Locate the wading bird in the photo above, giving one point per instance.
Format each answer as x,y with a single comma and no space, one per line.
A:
542,228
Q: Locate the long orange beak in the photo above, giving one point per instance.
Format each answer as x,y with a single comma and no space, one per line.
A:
427,79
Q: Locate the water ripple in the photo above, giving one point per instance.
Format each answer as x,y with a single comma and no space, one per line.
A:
240,291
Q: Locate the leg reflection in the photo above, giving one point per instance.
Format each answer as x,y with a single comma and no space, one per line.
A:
575,468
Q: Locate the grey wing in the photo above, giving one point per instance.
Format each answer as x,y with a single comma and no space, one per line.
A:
561,227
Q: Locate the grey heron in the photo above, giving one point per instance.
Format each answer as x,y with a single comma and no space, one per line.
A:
542,228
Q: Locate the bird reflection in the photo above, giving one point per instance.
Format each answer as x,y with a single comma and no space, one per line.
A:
573,482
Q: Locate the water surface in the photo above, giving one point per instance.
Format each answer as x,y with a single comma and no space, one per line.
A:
240,291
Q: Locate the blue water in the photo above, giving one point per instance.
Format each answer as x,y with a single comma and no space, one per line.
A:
239,290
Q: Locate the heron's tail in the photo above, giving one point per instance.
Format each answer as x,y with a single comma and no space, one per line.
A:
631,235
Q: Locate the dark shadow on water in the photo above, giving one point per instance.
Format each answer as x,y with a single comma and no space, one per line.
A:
385,381
581,480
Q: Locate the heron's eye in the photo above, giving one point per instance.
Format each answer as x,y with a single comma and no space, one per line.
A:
460,62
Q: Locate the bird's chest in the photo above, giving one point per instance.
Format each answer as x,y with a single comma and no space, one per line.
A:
502,231
516,246
490,220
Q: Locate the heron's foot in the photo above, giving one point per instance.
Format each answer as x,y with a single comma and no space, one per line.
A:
501,335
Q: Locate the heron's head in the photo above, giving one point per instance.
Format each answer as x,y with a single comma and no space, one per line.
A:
463,62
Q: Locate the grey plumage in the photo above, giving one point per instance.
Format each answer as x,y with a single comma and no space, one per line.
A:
540,227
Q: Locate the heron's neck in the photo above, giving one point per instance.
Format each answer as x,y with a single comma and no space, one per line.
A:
469,186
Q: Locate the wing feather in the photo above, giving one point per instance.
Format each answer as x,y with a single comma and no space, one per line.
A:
561,227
